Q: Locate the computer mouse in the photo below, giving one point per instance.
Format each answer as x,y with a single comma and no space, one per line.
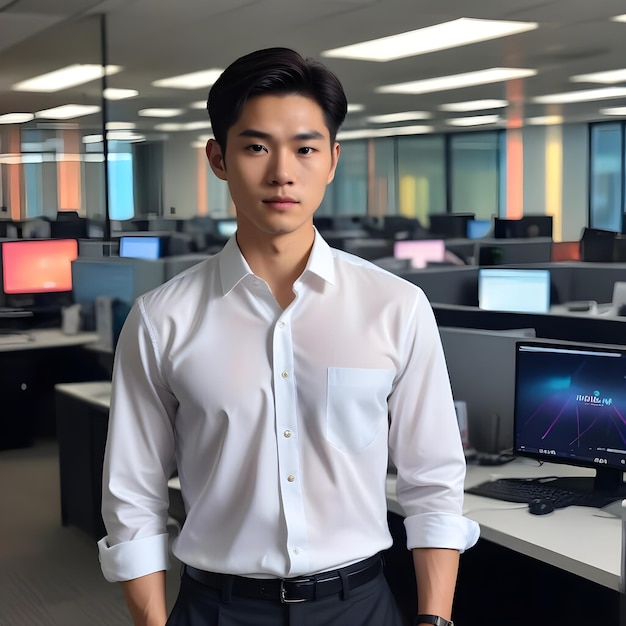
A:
540,507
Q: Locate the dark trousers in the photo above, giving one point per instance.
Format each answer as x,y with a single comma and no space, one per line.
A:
371,604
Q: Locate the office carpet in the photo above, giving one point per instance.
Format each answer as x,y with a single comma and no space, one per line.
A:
49,574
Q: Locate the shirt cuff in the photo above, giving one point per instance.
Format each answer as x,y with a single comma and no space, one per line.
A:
441,530
132,559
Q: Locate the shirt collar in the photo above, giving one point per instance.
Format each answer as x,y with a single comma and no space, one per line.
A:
233,268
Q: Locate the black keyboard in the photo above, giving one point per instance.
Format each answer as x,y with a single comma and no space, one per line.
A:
528,489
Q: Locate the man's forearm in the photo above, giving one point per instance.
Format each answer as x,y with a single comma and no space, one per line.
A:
145,598
436,571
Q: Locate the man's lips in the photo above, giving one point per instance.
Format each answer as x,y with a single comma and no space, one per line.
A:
281,203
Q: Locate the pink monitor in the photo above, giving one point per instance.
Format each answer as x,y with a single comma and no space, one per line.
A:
421,252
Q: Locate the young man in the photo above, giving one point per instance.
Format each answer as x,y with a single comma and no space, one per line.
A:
276,377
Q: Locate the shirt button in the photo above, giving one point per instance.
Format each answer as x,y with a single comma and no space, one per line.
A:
287,434
281,324
297,550
285,375
291,478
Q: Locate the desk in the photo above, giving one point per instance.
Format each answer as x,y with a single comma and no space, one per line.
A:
28,372
571,561
82,422
581,540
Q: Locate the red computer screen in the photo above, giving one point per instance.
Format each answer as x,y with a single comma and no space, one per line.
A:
38,266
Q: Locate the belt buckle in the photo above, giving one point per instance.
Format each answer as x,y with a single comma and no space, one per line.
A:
284,599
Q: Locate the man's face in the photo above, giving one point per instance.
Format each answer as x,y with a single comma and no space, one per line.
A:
278,163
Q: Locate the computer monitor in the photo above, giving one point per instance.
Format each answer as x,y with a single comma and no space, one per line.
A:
144,247
477,229
524,227
520,291
226,227
420,251
33,268
570,403
596,245
453,225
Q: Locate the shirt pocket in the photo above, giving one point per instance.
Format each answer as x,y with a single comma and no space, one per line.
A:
356,406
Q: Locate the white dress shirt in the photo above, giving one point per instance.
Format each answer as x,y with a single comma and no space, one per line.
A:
279,422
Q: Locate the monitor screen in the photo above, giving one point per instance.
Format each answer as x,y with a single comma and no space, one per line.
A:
521,291
476,229
38,266
570,403
226,227
140,247
420,252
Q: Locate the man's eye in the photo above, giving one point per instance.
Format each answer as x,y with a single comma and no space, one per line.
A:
306,150
256,147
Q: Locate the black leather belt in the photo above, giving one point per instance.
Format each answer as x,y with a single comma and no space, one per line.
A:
288,590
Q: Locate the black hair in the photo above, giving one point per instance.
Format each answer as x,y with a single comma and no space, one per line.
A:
274,71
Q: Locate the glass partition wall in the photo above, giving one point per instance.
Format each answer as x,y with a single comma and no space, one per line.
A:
49,162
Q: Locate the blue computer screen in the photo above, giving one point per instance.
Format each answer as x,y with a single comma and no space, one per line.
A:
140,247
521,291
477,229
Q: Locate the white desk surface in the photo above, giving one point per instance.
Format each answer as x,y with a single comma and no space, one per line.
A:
45,338
582,540
98,392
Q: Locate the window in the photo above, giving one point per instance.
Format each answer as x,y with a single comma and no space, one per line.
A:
606,178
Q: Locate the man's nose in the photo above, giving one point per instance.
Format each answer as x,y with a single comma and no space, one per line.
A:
281,169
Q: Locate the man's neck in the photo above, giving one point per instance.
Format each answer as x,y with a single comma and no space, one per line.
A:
279,260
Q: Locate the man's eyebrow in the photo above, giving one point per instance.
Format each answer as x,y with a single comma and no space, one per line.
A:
259,134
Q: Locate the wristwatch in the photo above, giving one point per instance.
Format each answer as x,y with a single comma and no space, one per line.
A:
432,619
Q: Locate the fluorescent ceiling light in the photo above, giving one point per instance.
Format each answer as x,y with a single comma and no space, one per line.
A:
200,104
111,93
452,34
545,120
65,78
92,139
457,81
614,111
68,111
392,118
355,108
383,132
16,118
160,112
124,135
120,125
195,80
608,78
619,18
477,120
473,105
587,95
205,138
168,127
198,144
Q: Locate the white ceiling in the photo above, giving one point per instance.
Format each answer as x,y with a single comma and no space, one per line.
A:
155,39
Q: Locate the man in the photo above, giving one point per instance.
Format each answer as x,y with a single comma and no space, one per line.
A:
276,377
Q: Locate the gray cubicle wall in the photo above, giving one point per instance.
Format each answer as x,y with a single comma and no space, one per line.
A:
481,365
447,285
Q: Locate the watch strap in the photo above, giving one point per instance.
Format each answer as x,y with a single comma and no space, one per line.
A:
435,620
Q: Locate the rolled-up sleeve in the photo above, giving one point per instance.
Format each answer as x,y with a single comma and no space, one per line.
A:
425,443
139,457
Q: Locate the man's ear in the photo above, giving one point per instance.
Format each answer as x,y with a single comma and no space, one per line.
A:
216,159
